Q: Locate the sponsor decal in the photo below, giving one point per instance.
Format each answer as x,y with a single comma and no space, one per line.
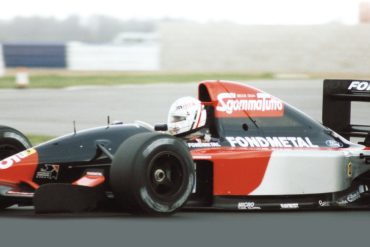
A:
324,203
20,193
289,205
202,157
17,158
94,173
203,145
49,171
333,143
275,142
342,202
349,169
353,196
247,206
258,104
363,188
186,106
359,86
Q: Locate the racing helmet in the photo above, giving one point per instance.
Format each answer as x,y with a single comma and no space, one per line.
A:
186,115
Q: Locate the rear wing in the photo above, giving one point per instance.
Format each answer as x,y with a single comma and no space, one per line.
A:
336,113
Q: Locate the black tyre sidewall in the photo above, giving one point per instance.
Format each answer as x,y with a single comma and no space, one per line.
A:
129,173
145,195
13,138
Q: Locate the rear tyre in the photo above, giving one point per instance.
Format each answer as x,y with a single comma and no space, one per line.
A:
152,173
11,142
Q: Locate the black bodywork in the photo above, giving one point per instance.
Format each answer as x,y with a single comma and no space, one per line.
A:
81,151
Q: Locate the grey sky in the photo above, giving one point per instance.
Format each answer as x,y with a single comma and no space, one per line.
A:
240,11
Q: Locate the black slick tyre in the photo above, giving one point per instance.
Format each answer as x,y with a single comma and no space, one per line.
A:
12,141
152,174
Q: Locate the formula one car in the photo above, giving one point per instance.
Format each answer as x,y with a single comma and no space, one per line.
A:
264,155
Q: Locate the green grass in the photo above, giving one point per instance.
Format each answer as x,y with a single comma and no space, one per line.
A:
61,80
37,139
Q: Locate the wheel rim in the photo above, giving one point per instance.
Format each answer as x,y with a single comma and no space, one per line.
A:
7,150
166,175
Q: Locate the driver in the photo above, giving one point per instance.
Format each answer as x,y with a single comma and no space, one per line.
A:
187,119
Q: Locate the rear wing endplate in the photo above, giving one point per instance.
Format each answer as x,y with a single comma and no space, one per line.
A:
336,112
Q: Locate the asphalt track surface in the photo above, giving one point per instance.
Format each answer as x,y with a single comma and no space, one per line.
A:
52,112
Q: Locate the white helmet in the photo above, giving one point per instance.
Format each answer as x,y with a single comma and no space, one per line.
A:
186,115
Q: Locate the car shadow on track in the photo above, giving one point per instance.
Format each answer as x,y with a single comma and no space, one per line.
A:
29,213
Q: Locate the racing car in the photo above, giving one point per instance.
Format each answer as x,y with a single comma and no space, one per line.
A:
264,154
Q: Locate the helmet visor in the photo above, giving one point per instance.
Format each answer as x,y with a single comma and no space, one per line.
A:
175,119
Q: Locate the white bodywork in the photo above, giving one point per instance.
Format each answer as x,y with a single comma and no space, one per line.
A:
295,172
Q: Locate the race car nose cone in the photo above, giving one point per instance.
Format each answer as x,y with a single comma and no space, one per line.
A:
159,175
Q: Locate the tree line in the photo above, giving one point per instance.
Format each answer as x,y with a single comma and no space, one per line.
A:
74,28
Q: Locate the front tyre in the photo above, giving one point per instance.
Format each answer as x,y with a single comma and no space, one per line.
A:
152,173
11,142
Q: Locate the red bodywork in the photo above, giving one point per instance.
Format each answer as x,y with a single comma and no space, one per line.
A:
231,100
235,171
19,168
